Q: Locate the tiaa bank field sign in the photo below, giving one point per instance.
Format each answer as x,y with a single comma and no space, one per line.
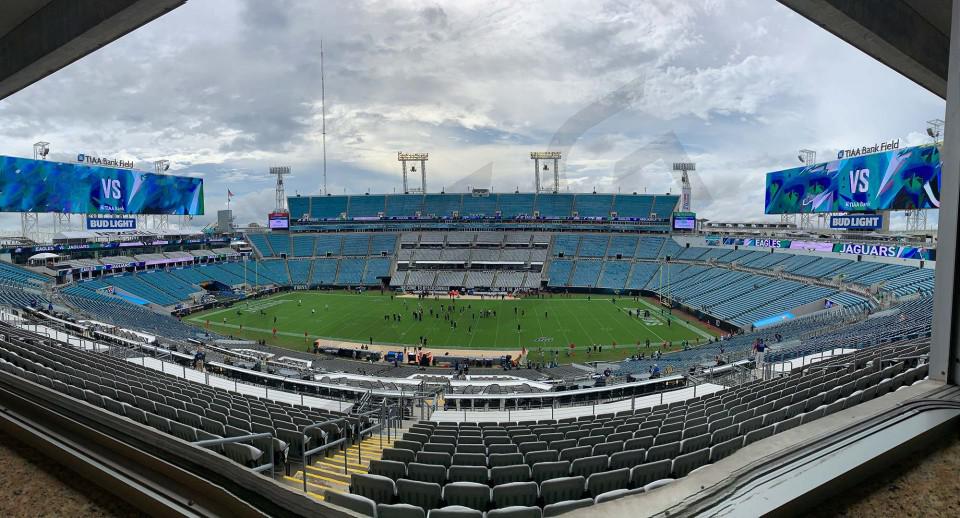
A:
111,224
857,221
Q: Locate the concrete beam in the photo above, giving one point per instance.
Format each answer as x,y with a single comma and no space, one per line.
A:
63,31
892,32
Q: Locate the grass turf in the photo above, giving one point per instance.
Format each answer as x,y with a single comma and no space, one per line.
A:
548,323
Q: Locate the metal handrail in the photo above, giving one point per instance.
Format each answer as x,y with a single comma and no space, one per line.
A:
240,439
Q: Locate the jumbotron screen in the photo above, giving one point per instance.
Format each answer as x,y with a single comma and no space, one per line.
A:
28,185
684,221
902,179
278,220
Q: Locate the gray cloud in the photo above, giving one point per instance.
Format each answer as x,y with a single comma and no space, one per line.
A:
225,89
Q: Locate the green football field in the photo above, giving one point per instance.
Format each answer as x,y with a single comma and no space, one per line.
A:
532,323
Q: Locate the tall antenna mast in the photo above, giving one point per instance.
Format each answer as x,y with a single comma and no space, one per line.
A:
323,107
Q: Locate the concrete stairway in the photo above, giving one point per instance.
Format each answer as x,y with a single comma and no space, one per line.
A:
330,473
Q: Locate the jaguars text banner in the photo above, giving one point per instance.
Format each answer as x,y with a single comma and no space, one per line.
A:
902,179
28,185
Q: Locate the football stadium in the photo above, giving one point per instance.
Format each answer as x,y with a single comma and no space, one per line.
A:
482,353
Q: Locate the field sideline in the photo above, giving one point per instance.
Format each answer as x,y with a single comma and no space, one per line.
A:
548,323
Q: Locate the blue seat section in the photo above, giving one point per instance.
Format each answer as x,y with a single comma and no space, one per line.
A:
664,205
796,262
169,283
593,205
554,205
585,273
692,253
324,271
513,205
733,256
275,271
751,300
376,267
715,253
677,275
479,205
232,273
684,283
124,314
615,274
404,205
791,295
303,245
350,272
559,272
383,243
848,300
328,207
356,244
822,267
280,243
328,244
919,280
593,245
443,205
640,275
142,289
704,293
366,206
750,256
633,205
855,270
299,271
767,260
299,207
15,275
201,273
228,273
259,241
566,244
883,274
19,297
193,274
649,247
670,248
625,245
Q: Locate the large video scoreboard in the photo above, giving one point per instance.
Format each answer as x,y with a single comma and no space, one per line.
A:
902,179
28,185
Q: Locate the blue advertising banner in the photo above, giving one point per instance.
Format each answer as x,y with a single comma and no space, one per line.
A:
28,185
111,223
901,179
857,221
903,252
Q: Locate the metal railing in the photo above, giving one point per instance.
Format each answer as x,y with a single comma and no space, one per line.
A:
382,415
242,439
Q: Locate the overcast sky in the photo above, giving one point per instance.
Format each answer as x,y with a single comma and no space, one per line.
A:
225,89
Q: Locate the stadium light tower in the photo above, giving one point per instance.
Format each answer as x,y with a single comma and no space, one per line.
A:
30,221
917,219
685,190
537,156
935,131
403,158
280,172
161,222
807,157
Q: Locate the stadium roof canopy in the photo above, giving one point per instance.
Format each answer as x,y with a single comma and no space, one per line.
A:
910,36
39,37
